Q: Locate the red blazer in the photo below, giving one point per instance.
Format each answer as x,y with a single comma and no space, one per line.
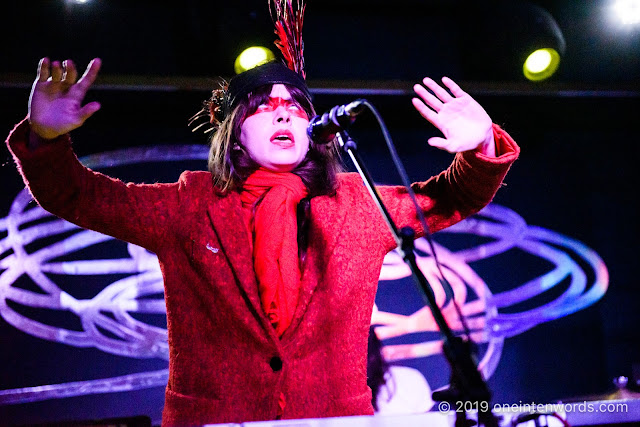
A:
226,362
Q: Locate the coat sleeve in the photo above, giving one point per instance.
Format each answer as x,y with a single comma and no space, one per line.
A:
136,213
464,188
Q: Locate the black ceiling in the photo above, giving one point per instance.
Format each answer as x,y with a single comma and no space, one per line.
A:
345,40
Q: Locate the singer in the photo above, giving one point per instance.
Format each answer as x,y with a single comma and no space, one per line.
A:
271,258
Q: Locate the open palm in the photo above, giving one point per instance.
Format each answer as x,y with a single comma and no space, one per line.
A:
55,103
464,124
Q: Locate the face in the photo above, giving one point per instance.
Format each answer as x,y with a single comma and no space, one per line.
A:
275,136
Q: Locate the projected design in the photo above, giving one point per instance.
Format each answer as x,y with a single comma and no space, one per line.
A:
39,251
108,312
494,317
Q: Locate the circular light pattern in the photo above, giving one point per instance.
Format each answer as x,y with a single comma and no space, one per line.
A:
111,320
541,64
494,317
252,57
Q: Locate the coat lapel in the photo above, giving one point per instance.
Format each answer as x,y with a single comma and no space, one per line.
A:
327,221
328,217
227,219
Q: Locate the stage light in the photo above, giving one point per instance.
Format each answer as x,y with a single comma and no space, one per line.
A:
252,57
511,40
628,11
541,64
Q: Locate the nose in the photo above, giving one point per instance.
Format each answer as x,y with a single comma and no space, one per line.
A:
282,115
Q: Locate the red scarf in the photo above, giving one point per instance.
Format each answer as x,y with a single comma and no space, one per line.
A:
275,241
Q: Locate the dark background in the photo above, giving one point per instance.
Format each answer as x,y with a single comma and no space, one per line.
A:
577,173
346,39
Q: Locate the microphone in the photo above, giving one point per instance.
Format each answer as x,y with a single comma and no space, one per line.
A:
322,129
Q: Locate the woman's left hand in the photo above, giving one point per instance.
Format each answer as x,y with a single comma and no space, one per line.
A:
463,122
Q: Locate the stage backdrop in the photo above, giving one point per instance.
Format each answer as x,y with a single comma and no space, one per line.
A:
544,275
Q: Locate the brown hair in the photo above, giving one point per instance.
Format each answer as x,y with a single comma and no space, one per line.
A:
231,164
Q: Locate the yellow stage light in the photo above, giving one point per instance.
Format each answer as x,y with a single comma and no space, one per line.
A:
511,39
541,64
252,57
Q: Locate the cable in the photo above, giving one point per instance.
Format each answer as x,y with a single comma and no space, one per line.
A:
405,181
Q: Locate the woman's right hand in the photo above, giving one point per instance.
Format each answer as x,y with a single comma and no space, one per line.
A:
55,101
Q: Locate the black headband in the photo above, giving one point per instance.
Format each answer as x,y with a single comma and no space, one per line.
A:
270,73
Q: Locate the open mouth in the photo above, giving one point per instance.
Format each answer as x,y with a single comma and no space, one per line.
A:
283,139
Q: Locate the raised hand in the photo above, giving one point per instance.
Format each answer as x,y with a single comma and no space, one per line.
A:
463,122
55,101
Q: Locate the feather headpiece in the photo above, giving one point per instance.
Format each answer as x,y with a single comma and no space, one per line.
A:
288,22
287,17
212,110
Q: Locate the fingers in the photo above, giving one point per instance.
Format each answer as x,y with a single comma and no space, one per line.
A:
436,96
425,111
89,76
441,143
428,97
56,71
43,70
67,72
440,95
70,73
437,89
88,110
453,87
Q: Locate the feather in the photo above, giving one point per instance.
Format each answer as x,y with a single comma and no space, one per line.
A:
212,112
288,20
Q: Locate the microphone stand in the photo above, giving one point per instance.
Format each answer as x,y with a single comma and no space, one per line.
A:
467,390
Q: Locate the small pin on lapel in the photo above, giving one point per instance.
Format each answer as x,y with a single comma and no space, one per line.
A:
212,249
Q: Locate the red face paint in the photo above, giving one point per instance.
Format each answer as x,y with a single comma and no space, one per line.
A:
273,103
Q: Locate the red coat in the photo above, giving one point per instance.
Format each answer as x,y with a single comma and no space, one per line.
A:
226,362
